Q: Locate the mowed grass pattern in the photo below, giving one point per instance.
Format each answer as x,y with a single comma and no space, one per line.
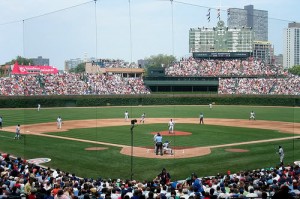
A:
202,135
71,156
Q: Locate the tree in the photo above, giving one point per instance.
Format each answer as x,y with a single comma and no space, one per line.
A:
295,70
20,60
159,60
80,68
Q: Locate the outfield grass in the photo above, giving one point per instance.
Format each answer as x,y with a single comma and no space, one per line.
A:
71,156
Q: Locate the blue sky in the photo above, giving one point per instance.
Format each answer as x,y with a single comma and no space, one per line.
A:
71,33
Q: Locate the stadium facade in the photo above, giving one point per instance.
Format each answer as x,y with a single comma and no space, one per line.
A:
250,17
291,45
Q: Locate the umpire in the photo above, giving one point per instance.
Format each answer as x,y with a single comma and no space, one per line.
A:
158,142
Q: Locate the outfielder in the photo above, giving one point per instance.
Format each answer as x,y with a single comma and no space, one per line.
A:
171,126
39,107
59,122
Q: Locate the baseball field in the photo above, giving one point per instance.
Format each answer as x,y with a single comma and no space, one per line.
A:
97,142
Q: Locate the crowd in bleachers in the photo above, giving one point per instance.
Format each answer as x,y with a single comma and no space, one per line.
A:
22,180
236,76
248,76
289,85
71,84
218,68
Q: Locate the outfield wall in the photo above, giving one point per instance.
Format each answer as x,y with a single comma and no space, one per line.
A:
153,99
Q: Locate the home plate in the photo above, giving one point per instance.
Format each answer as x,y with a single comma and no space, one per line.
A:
27,131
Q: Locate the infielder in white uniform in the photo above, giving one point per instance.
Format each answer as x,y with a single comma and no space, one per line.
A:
252,115
126,115
171,126
59,122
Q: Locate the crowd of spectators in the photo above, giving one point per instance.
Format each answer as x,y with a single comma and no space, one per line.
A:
289,85
236,76
220,68
22,180
71,84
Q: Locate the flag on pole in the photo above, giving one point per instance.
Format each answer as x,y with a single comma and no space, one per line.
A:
208,15
219,14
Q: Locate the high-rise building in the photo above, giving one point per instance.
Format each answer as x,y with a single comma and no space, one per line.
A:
263,50
251,18
291,45
72,63
40,61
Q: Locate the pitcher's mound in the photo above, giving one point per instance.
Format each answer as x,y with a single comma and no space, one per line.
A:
175,133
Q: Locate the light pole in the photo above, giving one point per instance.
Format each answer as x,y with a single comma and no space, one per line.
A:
131,157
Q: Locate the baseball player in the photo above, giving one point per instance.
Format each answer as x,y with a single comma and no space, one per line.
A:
1,120
143,118
59,122
201,118
252,115
171,126
126,115
166,148
281,155
39,107
18,131
210,105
